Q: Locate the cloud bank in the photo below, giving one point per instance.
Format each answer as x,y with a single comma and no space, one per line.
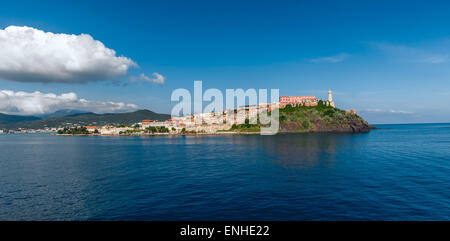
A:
32,103
31,55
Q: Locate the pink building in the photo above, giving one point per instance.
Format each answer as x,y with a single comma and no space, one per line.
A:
298,100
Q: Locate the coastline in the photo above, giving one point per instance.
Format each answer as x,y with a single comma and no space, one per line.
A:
225,133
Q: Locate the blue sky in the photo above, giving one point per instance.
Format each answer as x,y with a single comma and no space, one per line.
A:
389,60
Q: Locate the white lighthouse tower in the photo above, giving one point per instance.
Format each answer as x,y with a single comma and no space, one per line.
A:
330,98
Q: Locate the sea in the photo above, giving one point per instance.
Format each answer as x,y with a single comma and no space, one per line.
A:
398,172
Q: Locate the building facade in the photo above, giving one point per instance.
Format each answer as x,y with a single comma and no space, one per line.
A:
91,129
298,101
305,100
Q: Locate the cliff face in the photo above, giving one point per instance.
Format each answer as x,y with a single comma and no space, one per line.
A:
321,119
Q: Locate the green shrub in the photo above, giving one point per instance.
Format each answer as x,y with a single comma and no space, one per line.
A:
305,124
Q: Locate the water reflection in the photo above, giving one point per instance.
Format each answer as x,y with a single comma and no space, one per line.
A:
304,150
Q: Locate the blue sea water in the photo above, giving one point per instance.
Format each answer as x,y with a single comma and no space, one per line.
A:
400,172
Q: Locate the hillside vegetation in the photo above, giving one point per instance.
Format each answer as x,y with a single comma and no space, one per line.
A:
321,118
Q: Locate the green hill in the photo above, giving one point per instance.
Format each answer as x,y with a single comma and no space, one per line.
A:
62,113
9,119
321,118
85,119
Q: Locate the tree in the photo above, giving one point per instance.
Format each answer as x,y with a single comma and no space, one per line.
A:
289,108
83,130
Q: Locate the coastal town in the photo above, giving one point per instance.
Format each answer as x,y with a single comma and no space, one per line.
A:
221,122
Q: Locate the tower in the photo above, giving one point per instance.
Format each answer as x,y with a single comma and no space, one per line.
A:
330,101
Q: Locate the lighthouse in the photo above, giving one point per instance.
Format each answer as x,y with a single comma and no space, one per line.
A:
330,101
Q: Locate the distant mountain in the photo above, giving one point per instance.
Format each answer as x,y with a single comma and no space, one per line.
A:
88,119
9,119
62,113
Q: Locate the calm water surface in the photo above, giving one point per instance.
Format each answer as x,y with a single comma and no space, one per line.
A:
401,172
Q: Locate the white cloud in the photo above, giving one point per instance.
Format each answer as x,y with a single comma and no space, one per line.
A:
330,59
32,55
159,79
31,103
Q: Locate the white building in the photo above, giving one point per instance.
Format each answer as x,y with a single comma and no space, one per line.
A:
110,130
